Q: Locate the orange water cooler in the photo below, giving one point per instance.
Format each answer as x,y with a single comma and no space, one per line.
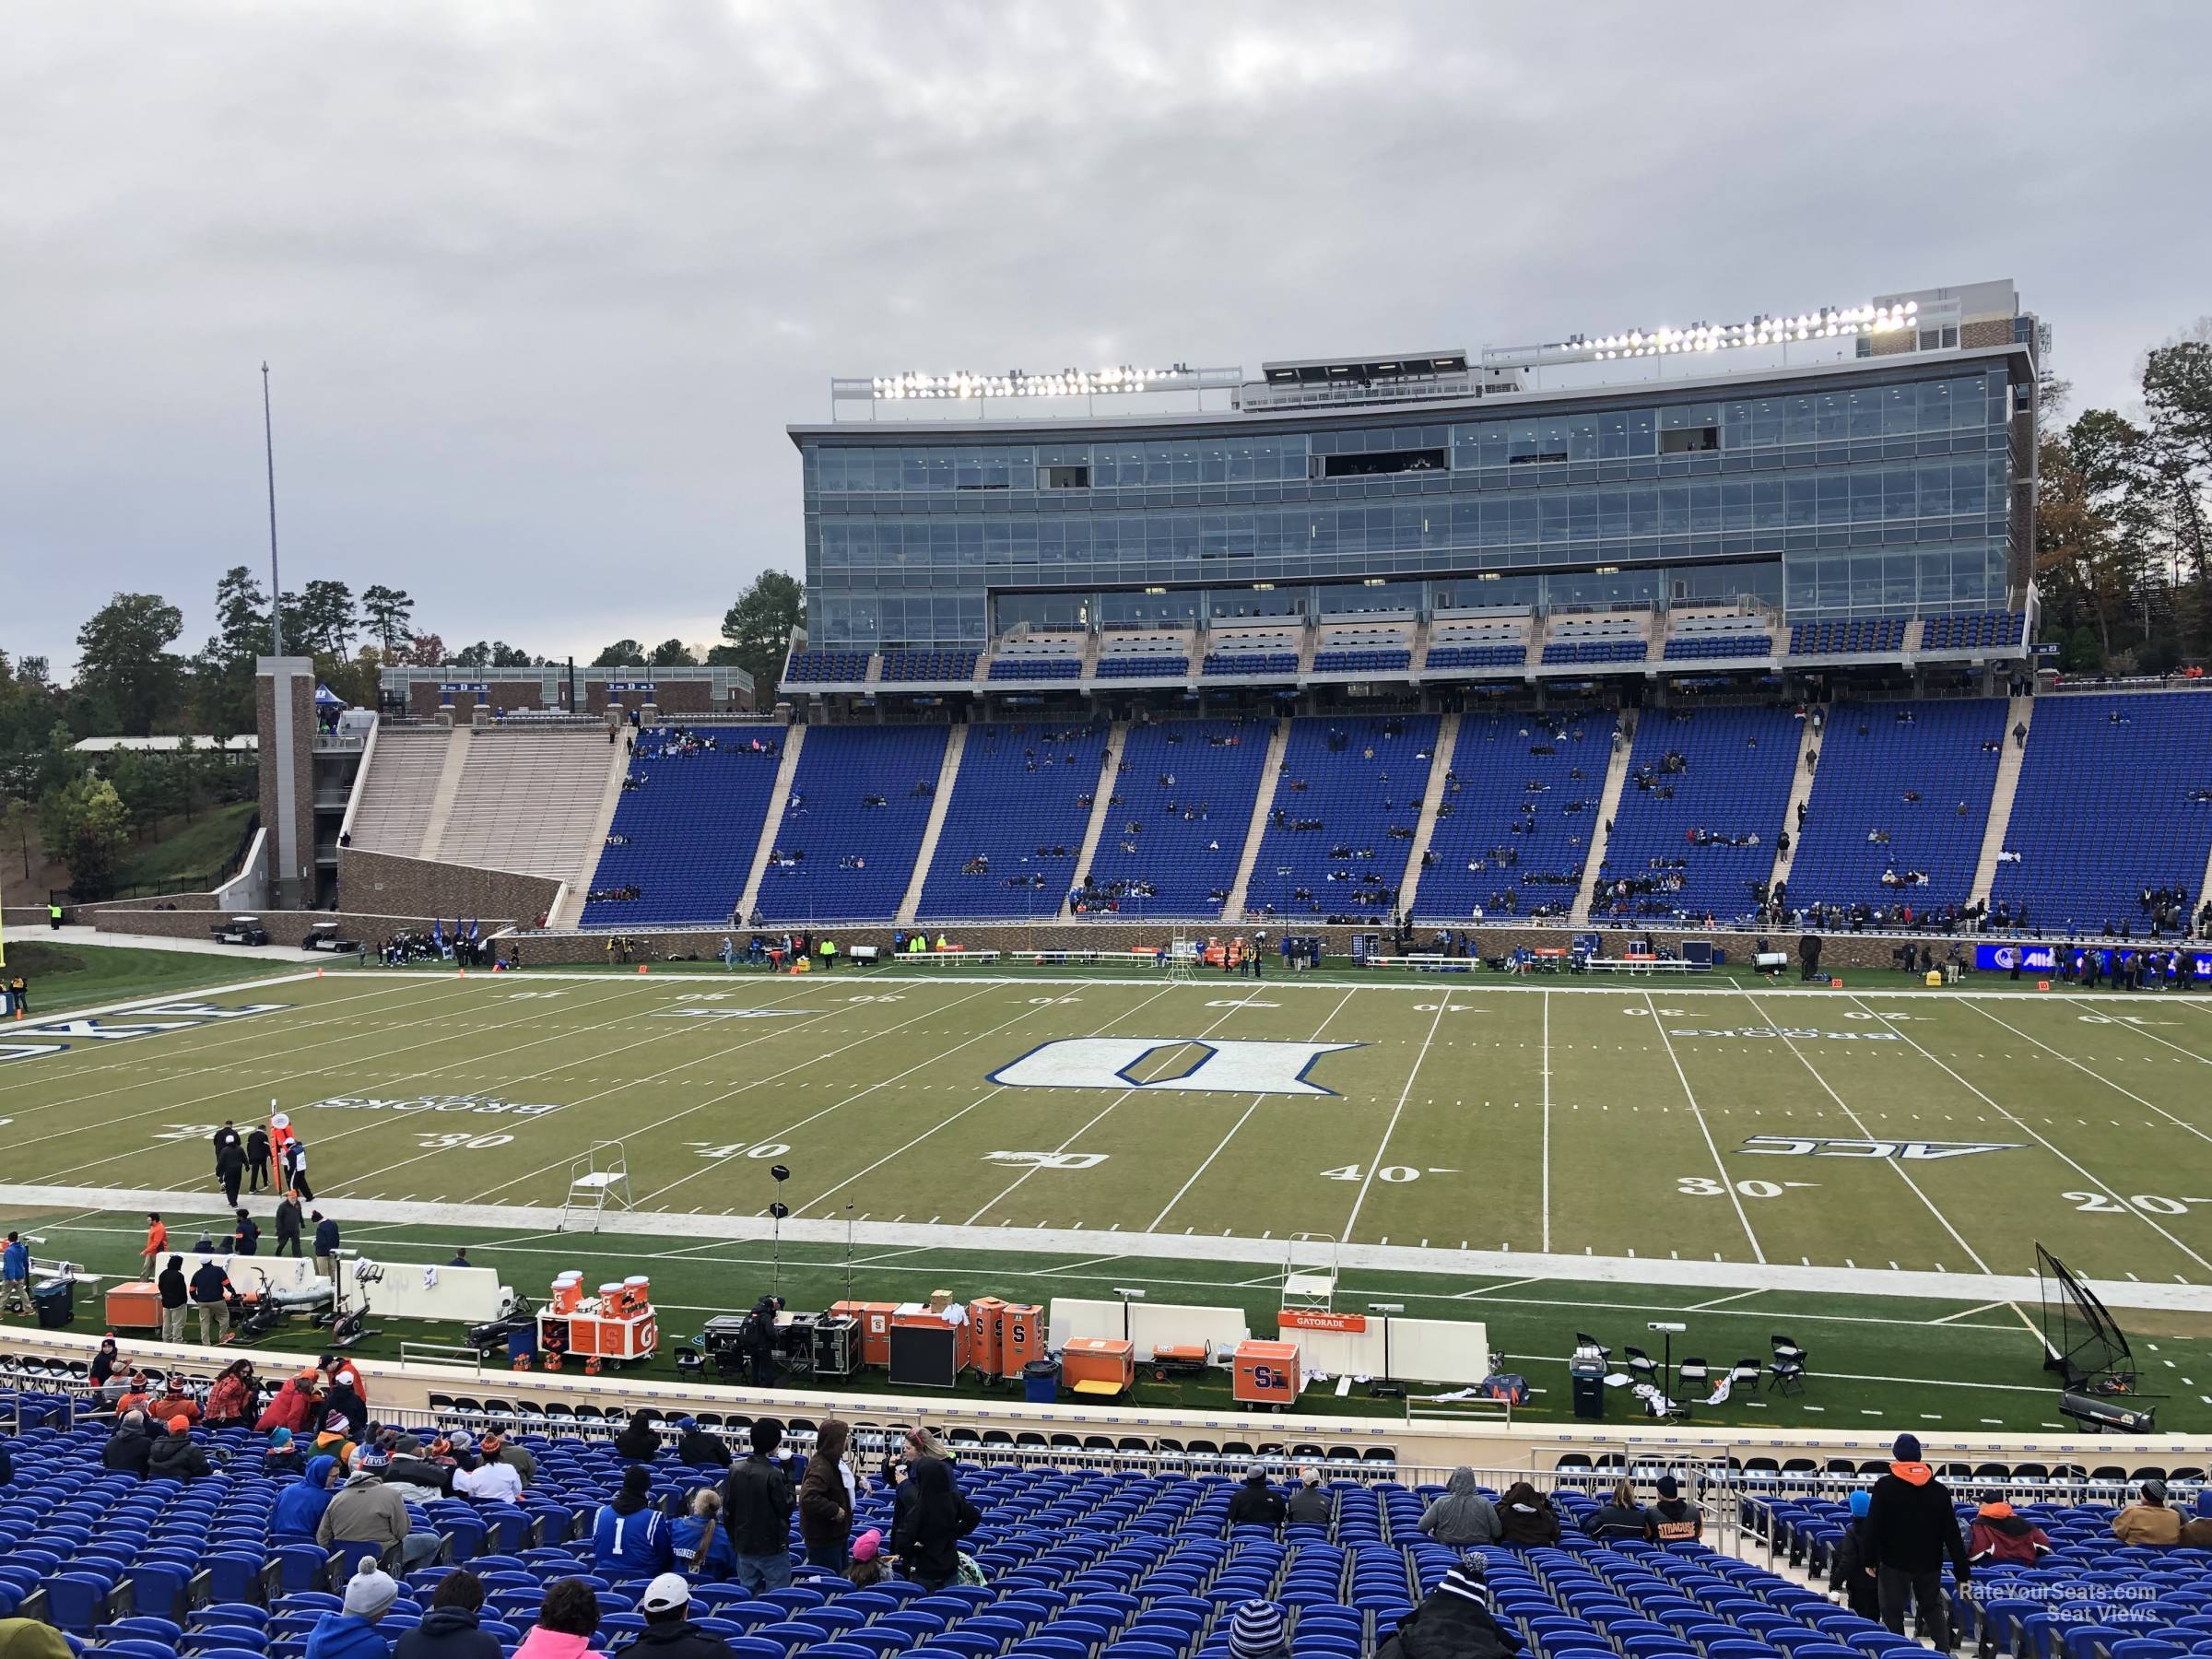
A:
874,1328
1268,1373
1100,1367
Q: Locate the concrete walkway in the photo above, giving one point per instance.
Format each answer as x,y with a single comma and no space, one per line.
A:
286,922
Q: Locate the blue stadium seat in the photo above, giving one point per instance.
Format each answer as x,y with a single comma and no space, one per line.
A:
1512,829
685,836
1698,840
1022,794
1188,785
1359,784
844,859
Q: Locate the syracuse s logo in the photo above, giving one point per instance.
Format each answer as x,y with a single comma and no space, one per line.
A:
1221,1068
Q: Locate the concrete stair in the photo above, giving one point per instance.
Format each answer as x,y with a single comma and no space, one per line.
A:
1271,772
449,786
956,745
569,912
2021,713
787,766
1801,791
1608,802
1439,763
1117,739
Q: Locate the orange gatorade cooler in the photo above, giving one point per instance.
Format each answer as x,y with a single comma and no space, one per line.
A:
637,1292
568,1293
1024,1338
611,1300
874,1328
1268,1373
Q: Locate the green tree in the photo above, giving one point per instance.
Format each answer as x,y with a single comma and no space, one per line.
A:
673,653
757,629
124,662
19,818
326,620
623,654
425,651
388,613
2177,405
86,825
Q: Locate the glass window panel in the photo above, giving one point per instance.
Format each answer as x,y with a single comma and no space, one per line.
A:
1934,491
1898,489
1900,410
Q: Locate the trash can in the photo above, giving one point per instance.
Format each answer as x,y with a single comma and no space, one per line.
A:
1586,1381
55,1302
1040,1381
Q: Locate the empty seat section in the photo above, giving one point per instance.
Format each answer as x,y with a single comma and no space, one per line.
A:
1478,657
397,794
1037,668
1146,665
1227,664
1695,832
1858,637
1607,640
1386,659
928,666
1973,630
819,667
1177,819
1341,820
1015,822
1512,829
687,826
852,829
2115,796
1900,802
1695,639
528,801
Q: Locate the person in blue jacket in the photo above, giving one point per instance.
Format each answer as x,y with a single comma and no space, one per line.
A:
15,1275
299,1505
630,1538
703,1543
352,1635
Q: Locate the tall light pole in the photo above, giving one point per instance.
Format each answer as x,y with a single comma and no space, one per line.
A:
268,445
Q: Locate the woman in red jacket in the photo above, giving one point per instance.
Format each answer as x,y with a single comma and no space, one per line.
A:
293,1405
230,1401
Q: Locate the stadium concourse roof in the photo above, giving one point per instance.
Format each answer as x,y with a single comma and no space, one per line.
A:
244,743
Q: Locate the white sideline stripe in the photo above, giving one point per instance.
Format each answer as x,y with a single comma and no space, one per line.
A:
1973,1254
2102,1186
529,1222
1720,1167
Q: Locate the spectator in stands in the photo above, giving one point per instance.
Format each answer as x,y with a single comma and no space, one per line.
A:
300,1506
629,1536
1673,1518
868,1569
2150,1520
174,1456
282,1455
1852,1570
1310,1505
104,1361
1911,1527
1256,1630
1999,1535
1255,1504
293,1405
1453,1620
702,1542
486,1479
825,1501
639,1442
453,1627
32,1639
1463,1517
499,1447
932,1517
417,1479
350,1633
2197,1531
1621,1518
757,1498
695,1448
129,1446
1525,1517
366,1511
230,1401
566,1621
175,1400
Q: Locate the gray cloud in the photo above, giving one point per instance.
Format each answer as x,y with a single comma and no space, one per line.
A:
542,284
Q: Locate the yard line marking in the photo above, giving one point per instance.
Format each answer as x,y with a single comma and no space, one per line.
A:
2138,1099
1970,1312
1866,1133
1435,1019
1223,1145
991,1094
1547,1165
1719,1300
1727,1181
1095,1119
1487,1289
2078,1169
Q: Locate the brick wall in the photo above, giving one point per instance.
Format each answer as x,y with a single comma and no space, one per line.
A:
383,884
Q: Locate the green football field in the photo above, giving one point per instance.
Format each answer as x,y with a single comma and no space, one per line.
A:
1704,1146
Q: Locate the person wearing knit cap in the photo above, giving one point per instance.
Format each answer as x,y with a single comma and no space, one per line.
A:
351,1633
1998,1534
1453,1621
1673,1518
631,1537
2149,1520
1851,1566
1256,1631
868,1569
174,1456
1911,1527
1254,1504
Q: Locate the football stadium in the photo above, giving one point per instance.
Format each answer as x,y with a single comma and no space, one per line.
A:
1299,975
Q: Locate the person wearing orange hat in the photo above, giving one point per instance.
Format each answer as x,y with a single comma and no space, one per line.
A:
174,1456
1999,1535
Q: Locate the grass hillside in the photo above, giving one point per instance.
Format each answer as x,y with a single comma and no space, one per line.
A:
65,977
179,849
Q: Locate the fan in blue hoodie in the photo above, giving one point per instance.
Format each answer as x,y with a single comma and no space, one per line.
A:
630,1538
299,1505
352,1635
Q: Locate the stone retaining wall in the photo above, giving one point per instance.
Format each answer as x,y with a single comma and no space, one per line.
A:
386,884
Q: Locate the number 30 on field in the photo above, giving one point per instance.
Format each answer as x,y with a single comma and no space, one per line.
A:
1705,1186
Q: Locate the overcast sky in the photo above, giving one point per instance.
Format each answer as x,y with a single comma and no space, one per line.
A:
542,284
